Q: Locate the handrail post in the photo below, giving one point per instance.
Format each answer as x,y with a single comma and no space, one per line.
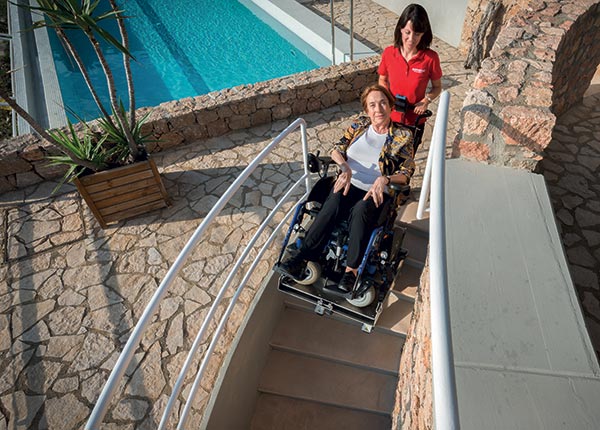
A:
13,114
308,180
351,30
444,385
424,195
332,33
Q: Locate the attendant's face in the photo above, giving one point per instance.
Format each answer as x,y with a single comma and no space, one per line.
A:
410,38
378,107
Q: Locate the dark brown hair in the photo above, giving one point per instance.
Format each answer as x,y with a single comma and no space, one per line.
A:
417,15
372,88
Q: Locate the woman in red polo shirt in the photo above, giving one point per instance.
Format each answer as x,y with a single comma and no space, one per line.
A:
407,67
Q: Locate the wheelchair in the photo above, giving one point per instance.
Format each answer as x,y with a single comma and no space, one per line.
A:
377,270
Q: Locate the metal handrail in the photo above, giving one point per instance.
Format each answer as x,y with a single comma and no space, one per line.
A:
225,316
13,114
332,13
444,385
351,30
332,32
124,359
425,193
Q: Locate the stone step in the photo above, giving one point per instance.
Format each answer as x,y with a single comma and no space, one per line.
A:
327,382
407,280
278,412
305,332
416,244
407,217
396,314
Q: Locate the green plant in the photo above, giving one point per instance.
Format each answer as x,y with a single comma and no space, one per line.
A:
119,140
89,147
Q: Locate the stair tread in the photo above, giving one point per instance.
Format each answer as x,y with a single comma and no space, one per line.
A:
396,314
324,381
407,280
337,340
416,245
407,216
278,412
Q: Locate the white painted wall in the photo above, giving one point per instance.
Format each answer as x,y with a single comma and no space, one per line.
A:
446,16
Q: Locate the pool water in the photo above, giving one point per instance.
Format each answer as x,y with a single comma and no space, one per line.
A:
184,48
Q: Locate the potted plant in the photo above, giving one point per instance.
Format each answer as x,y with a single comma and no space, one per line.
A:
105,159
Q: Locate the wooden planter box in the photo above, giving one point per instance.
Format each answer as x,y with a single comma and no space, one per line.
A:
124,192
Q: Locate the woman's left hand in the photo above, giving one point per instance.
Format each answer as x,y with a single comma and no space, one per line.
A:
376,191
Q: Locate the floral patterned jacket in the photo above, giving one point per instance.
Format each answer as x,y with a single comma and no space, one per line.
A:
397,154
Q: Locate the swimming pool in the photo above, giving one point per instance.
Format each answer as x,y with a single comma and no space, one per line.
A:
186,48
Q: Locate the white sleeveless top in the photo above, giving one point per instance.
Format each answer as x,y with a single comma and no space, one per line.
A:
363,158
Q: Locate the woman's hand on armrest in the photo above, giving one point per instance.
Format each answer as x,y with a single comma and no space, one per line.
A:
377,189
343,180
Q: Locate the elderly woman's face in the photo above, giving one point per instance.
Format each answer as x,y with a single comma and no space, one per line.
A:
378,107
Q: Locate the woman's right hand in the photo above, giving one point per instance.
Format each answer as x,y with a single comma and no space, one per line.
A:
343,182
421,107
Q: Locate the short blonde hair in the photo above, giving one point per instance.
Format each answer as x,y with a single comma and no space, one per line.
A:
373,88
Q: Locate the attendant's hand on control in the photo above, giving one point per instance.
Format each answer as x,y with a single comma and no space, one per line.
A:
421,107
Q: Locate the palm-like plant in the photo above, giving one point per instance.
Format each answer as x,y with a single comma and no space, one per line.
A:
84,16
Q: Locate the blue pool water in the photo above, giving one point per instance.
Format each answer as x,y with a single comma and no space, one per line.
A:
185,48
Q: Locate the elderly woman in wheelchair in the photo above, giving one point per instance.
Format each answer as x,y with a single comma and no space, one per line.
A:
374,157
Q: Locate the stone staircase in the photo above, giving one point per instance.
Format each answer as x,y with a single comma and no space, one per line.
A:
323,372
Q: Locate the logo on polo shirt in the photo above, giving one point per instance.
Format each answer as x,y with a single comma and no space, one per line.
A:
414,69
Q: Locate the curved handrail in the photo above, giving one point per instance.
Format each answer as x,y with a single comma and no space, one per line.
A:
444,385
225,317
126,355
217,333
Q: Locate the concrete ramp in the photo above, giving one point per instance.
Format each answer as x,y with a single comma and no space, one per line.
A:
523,357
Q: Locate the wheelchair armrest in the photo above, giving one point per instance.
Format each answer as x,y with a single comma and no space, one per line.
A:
318,164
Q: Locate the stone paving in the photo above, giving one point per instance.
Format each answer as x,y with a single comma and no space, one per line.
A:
71,292
572,171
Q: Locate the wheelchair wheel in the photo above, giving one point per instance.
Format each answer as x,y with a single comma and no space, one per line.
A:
311,274
364,299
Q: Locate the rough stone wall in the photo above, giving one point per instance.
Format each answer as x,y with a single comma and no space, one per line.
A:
23,159
413,409
474,14
540,65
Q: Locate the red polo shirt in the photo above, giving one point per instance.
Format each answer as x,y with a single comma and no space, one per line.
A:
410,78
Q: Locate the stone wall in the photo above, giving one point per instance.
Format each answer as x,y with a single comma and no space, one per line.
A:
23,159
414,399
540,65
474,14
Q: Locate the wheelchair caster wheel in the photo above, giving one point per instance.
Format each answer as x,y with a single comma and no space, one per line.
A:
364,299
311,274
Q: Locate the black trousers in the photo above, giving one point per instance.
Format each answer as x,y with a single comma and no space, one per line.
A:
362,217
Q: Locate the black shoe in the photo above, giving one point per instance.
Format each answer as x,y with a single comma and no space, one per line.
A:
347,282
293,266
